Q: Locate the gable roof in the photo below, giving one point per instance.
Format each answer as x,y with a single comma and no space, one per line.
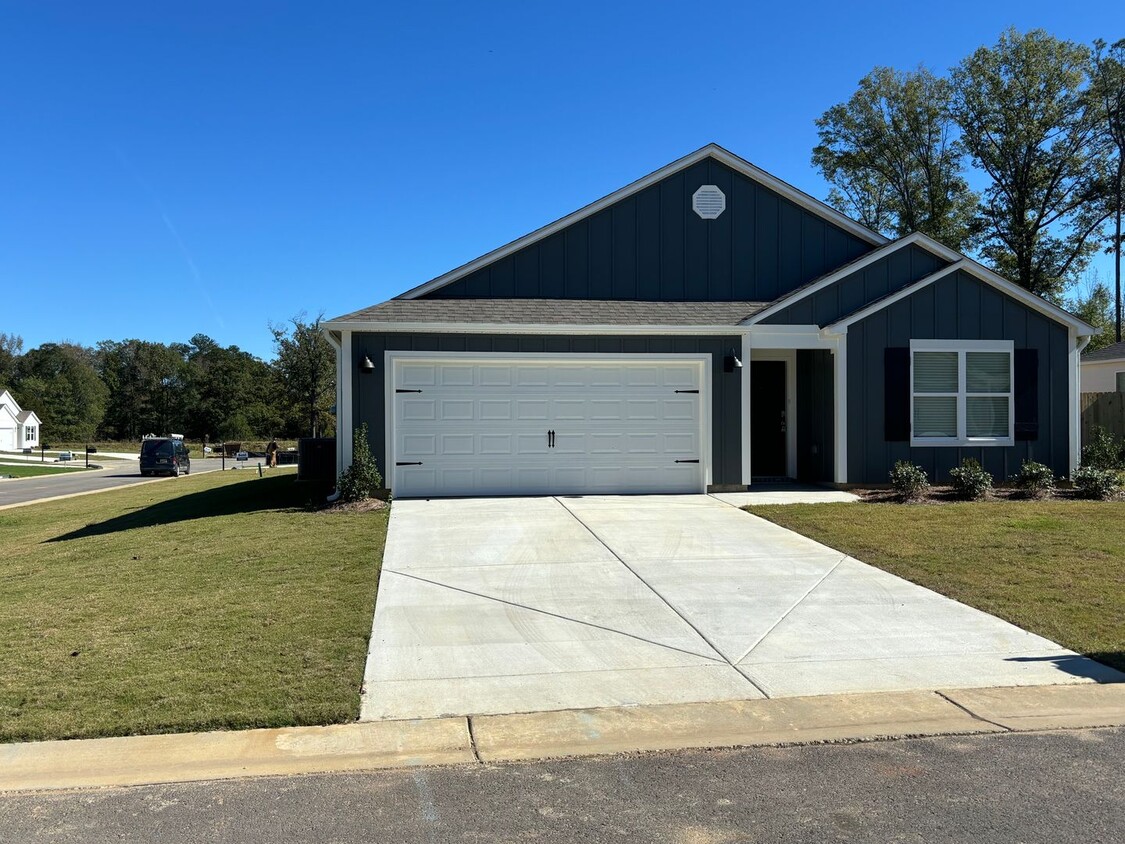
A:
1113,352
967,265
25,415
414,313
855,266
739,165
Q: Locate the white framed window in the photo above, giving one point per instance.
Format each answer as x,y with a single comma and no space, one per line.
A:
29,432
961,392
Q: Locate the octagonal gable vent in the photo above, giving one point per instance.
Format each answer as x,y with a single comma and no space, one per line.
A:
709,202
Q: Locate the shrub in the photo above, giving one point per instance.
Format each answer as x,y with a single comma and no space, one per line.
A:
1035,479
1104,451
362,479
909,481
1099,484
970,481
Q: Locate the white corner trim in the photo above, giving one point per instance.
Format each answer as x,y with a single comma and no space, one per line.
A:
739,165
335,343
1074,372
853,267
840,408
344,416
744,428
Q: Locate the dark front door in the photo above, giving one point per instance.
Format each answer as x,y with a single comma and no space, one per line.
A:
767,419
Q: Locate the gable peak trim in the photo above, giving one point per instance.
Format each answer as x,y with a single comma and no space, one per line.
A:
712,150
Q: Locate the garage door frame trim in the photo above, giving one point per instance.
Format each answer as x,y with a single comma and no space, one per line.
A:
391,359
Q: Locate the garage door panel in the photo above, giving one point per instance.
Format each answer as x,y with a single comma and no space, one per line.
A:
481,427
456,410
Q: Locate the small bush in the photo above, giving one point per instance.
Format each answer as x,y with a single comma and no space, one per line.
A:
1104,451
909,480
1035,479
362,479
970,481
1098,484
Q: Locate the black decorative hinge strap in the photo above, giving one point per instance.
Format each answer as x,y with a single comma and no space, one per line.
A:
415,463
408,391
687,461
687,391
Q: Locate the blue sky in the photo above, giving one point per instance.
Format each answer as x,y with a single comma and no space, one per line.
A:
243,162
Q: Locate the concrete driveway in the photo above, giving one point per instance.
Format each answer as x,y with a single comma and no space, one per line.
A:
514,605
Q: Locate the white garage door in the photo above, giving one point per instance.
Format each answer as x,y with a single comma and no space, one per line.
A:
551,424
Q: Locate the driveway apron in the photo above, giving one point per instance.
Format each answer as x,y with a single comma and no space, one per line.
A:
489,606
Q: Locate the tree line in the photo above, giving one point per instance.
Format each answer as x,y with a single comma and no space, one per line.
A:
1014,156
124,389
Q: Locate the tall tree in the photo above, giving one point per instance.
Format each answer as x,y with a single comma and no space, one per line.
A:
1024,117
1094,305
11,346
893,158
59,382
232,392
1107,95
306,367
149,388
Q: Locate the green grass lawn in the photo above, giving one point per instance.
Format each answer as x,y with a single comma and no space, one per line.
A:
32,470
215,601
1056,568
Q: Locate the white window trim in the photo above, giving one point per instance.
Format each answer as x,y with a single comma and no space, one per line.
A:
961,347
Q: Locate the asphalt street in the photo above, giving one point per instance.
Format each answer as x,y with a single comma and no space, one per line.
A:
116,474
1016,787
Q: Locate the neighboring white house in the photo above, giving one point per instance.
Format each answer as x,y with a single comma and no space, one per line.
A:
19,428
1103,371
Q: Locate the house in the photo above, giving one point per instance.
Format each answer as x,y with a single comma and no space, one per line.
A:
19,428
1103,370
706,327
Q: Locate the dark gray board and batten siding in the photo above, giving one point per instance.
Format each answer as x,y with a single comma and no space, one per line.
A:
652,246
958,307
886,275
369,390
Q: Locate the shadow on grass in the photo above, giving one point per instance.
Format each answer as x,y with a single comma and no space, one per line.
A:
1101,667
276,493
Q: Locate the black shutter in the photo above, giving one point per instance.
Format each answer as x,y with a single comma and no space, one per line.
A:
1026,367
896,394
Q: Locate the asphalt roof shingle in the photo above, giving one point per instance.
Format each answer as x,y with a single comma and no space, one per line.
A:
555,312
1114,352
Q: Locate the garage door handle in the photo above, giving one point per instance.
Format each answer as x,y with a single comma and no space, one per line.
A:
415,463
550,439
687,461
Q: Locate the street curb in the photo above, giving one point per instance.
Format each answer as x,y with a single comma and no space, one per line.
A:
371,745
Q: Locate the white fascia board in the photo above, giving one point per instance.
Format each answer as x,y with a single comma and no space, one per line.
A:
1036,303
528,328
910,289
853,267
740,165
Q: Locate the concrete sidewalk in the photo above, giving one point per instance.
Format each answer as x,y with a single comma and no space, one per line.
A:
497,738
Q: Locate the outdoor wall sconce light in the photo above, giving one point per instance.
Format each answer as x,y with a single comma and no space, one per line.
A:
366,366
731,362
